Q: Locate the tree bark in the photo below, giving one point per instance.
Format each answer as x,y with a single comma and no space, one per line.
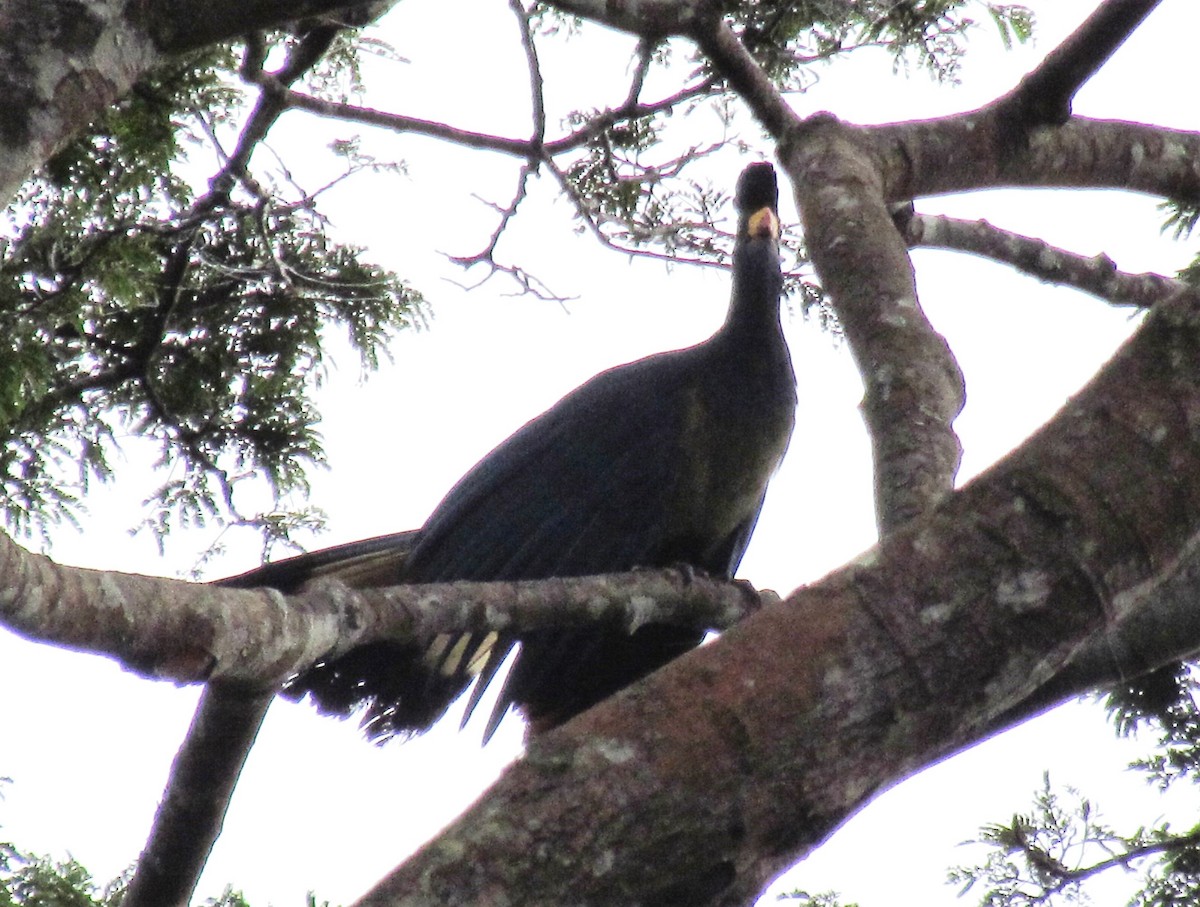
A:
63,62
913,386
704,781
169,629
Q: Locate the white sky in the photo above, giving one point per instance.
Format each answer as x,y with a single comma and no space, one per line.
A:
88,746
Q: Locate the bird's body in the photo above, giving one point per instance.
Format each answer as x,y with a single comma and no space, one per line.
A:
660,462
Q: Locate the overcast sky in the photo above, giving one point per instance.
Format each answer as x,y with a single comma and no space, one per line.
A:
88,746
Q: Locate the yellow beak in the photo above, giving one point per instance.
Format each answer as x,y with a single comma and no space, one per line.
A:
763,222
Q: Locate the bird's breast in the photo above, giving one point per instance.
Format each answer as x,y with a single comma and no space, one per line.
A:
736,433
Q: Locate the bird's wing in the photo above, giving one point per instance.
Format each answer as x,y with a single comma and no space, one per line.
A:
589,487
581,489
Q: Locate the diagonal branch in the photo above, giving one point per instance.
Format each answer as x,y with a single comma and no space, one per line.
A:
808,708
1044,96
193,807
1097,275
734,62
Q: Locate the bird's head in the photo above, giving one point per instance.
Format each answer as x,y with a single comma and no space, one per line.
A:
757,202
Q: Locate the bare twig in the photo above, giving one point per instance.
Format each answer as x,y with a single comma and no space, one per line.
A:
527,282
484,141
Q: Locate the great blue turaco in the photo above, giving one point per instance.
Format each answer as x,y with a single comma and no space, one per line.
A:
662,462
655,463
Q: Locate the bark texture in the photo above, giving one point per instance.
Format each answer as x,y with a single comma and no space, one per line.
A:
913,386
701,783
62,62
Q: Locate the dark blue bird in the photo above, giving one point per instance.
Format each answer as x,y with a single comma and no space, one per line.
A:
656,463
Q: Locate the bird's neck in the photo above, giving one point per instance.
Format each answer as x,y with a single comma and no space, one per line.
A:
753,315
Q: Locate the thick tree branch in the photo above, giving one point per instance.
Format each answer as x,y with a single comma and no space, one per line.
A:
913,386
206,769
178,26
65,62
964,152
910,652
1136,642
174,630
1044,96
648,18
1097,275
946,628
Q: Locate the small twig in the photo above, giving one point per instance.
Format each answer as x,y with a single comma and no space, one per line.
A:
507,213
487,255
594,227
537,93
529,284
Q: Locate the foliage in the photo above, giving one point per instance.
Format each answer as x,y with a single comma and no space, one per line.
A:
140,296
32,881
804,899
1053,853
1163,704
134,302
629,182
1181,217
932,34
36,881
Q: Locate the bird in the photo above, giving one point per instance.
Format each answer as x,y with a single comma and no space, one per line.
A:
656,463
662,462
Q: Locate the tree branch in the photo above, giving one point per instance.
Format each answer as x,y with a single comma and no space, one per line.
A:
648,18
731,58
227,719
65,63
1097,275
964,152
487,255
907,654
483,141
1044,96
192,812
913,386
173,630
179,26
